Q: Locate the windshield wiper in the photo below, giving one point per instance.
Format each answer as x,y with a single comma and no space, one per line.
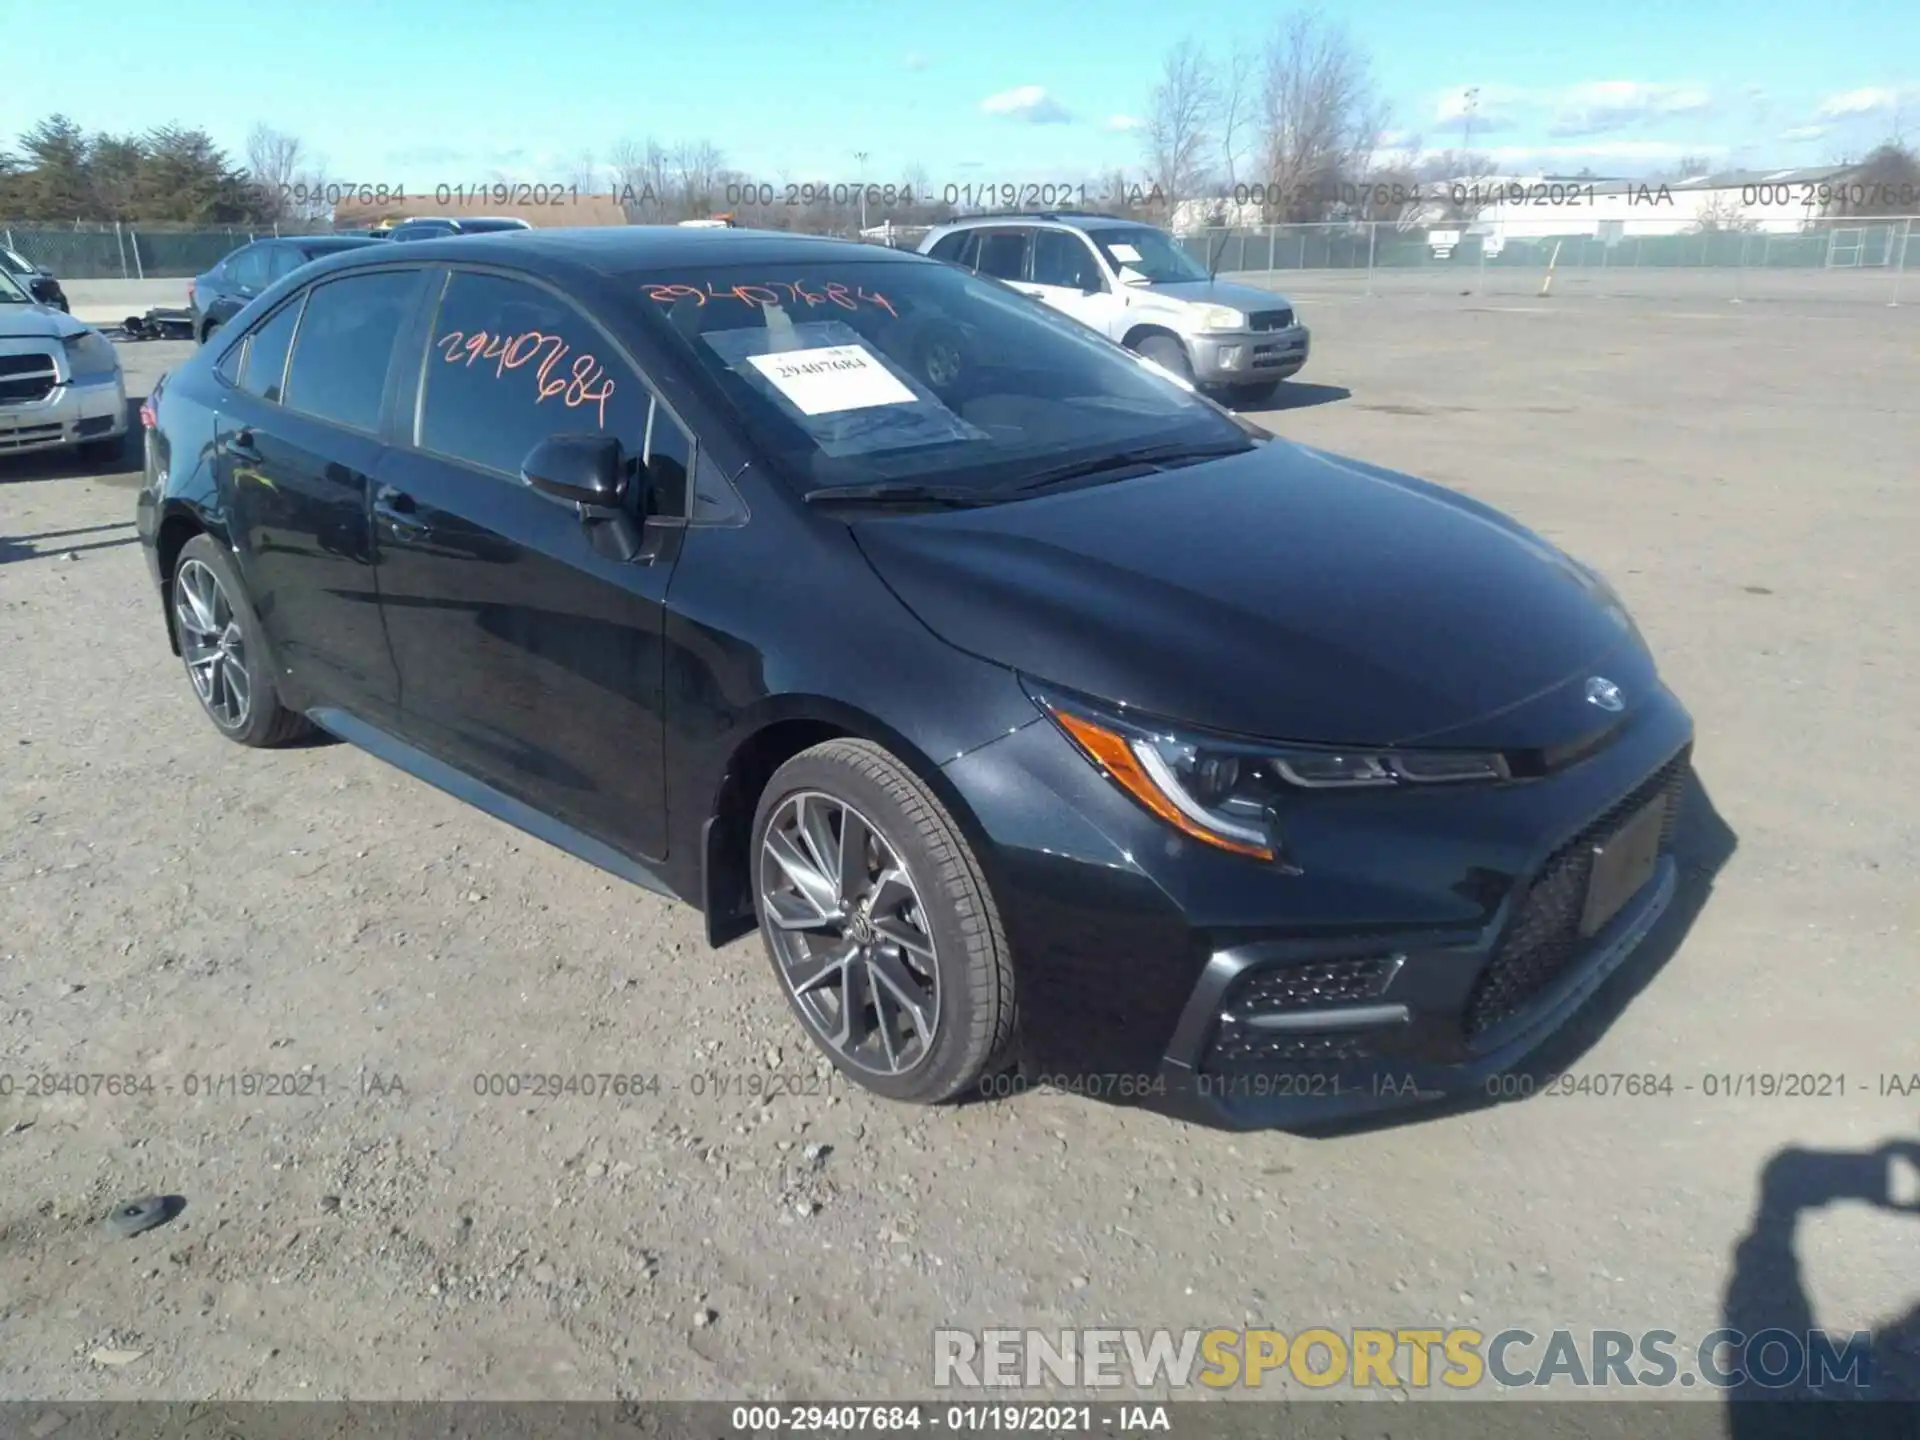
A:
899,492
1146,457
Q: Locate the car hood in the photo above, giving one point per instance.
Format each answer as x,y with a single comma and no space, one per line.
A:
1218,292
37,322
1284,593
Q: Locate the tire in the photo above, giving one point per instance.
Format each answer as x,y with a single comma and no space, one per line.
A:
222,647
968,1027
1252,397
1168,353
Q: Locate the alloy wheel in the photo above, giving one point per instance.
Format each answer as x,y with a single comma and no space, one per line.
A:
212,645
849,934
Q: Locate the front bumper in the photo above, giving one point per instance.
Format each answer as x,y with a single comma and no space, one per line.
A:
1249,357
69,412
1428,941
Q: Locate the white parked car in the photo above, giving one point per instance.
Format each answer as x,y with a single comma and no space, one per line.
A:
1137,285
60,380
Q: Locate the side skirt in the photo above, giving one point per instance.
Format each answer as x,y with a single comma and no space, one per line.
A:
481,796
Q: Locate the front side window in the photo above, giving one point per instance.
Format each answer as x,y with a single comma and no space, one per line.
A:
949,247
510,364
264,370
345,345
1154,253
1062,259
860,372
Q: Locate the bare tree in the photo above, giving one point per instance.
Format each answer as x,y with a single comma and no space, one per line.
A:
584,175
1235,107
1179,126
1320,116
695,174
1456,184
274,163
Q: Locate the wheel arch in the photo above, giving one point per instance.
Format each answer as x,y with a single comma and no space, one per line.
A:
1145,332
179,523
790,725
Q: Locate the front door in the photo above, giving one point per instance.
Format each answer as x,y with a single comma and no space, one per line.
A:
1068,277
529,657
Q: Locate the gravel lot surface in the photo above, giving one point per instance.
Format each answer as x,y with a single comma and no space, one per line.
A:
173,906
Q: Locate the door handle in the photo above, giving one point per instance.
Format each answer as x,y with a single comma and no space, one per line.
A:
397,509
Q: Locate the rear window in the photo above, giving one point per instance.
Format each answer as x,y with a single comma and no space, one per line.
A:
848,373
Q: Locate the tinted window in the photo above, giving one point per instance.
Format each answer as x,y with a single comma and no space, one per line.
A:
340,359
948,247
669,460
1060,258
266,363
249,267
488,227
285,261
1003,254
510,365
926,373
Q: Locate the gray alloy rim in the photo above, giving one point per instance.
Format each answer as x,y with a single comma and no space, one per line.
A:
943,363
849,934
211,644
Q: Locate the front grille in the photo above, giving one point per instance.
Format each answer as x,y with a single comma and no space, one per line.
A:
25,379
1270,320
28,435
1543,940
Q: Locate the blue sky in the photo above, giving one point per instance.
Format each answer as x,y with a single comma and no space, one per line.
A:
428,92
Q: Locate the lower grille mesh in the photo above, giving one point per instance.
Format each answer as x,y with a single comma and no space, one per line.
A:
1543,939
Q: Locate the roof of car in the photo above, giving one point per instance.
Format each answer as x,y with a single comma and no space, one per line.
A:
612,249
320,244
1077,219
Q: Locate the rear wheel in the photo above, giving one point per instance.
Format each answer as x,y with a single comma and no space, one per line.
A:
880,925
221,644
1168,353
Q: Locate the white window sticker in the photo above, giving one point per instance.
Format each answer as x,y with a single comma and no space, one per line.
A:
827,379
1125,253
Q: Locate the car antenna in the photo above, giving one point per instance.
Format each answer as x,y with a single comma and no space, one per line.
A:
1220,244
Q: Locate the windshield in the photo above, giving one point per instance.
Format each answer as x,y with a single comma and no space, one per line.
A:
1154,253
851,373
10,291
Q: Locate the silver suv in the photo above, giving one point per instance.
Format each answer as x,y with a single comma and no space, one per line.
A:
1135,284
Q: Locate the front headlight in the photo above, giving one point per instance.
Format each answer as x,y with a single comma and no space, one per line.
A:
89,354
1225,792
1220,317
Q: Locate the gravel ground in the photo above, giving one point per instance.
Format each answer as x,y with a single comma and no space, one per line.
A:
173,906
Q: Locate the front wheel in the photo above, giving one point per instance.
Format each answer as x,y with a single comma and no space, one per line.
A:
879,922
1252,397
1169,354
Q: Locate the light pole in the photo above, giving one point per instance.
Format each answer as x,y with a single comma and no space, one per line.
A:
1466,119
861,156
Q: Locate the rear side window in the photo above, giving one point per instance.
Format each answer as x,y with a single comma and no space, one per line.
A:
264,370
346,343
249,267
510,364
1003,254
950,247
285,261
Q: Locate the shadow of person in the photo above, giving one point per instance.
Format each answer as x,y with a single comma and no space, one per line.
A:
1767,1292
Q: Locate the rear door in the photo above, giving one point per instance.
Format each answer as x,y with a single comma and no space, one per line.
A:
296,443
529,658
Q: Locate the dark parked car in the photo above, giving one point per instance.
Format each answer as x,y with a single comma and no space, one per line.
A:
438,228
217,296
36,280
1035,708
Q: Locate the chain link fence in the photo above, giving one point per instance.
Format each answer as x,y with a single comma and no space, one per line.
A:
146,251
1864,260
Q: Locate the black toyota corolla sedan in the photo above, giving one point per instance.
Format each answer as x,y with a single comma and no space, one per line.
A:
1048,721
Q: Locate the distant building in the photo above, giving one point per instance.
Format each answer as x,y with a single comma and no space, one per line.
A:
562,207
1762,201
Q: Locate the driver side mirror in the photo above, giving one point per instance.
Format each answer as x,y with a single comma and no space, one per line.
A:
586,470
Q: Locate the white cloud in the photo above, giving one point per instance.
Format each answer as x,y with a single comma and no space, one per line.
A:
1606,105
1030,103
1800,134
1869,101
1122,123
916,61
1619,151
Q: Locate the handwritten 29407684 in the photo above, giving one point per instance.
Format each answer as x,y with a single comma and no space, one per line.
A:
584,383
